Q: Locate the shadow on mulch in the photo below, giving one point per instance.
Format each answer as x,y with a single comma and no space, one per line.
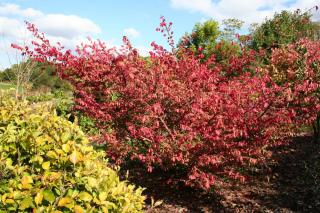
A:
176,197
291,184
298,176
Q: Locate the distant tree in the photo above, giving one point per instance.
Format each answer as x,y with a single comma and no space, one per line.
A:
21,76
33,75
7,75
207,38
228,42
317,30
284,28
230,28
44,75
203,37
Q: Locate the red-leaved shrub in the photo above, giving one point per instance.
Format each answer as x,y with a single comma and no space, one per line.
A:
296,67
175,110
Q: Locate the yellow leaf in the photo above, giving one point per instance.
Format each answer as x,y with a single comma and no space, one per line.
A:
104,209
25,181
38,199
3,198
38,159
52,154
9,201
40,141
66,147
78,209
26,203
103,196
55,175
65,137
96,201
46,165
9,162
92,182
85,196
75,157
64,201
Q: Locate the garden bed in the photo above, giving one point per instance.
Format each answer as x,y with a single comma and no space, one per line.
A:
290,185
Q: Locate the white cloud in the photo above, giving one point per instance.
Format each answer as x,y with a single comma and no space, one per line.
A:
203,6
59,25
143,50
131,32
249,11
69,30
13,9
11,31
10,27
67,26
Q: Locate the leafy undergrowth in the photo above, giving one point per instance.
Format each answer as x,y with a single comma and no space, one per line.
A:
289,183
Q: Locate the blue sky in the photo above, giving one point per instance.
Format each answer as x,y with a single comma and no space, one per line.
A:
113,17
70,21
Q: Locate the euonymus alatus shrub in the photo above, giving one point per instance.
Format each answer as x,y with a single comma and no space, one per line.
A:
47,165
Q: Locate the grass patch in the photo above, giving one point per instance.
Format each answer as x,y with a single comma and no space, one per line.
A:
6,86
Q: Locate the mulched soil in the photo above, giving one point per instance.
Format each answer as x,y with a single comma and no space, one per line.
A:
290,184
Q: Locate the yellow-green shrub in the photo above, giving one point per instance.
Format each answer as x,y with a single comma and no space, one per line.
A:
47,165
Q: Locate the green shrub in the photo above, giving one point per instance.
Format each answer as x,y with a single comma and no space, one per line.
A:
63,104
40,97
47,165
59,95
87,124
64,107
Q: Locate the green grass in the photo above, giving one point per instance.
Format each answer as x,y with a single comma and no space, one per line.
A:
6,86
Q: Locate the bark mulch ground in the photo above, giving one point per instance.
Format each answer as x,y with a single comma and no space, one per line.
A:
290,184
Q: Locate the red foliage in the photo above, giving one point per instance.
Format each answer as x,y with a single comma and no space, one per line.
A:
174,111
298,66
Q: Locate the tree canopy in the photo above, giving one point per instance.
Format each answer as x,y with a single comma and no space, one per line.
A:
284,28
